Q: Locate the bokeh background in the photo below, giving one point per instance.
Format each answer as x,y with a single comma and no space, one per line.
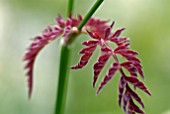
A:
148,26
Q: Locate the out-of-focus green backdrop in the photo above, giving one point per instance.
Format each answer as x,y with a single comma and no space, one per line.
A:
148,26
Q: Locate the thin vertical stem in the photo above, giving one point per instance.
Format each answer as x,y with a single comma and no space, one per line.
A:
90,13
63,76
63,79
70,7
64,60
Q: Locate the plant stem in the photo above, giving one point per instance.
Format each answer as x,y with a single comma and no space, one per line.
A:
64,60
90,13
70,7
63,76
63,79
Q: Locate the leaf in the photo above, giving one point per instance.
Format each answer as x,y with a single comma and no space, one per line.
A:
119,41
85,58
97,25
93,35
87,50
38,43
108,31
126,99
130,67
67,31
134,81
133,67
122,85
90,43
128,53
98,66
106,50
110,74
121,48
135,108
117,33
135,96
61,22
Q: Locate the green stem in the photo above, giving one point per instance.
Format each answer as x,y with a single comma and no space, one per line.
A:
63,79
63,76
70,7
64,60
90,13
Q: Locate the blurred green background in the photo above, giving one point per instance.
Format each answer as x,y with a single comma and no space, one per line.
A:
148,26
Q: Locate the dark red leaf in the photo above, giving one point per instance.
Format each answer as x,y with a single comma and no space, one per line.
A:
119,41
90,43
139,68
117,33
126,99
124,64
130,67
106,50
98,66
127,53
121,48
38,43
93,35
133,59
110,74
132,52
134,81
88,50
135,96
135,108
108,30
85,58
97,25
122,85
